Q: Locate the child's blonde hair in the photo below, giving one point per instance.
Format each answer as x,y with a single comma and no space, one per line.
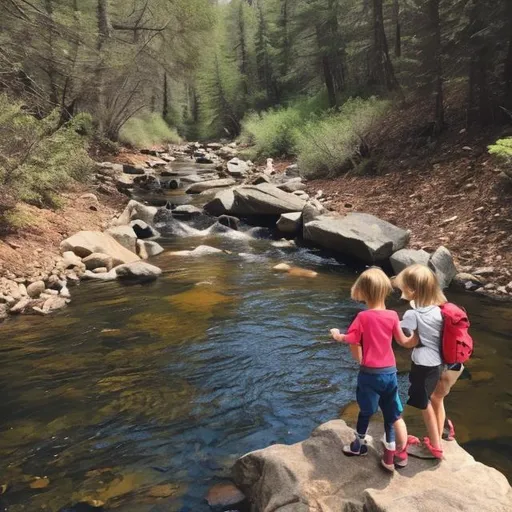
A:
422,283
371,286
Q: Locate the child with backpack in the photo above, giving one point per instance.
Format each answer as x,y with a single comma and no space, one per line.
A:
441,337
370,336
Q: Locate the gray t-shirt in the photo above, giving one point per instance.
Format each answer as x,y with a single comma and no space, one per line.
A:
428,322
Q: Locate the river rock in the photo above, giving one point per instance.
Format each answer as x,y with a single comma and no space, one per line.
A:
187,210
198,188
143,230
146,249
229,221
54,304
3,312
136,211
21,306
35,289
294,185
101,276
312,475
133,169
98,260
292,171
123,182
222,203
237,168
202,250
227,152
357,235
441,262
70,260
259,179
468,281
224,495
85,243
265,199
139,271
405,257
312,211
290,223
125,235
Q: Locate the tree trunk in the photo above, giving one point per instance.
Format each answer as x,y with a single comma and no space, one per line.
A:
398,28
508,64
383,73
165,106
243,49
51,70
329,82
437,68
104,33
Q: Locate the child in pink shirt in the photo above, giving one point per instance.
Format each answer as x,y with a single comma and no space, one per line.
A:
370,337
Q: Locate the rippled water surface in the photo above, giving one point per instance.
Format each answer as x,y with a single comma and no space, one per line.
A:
137,387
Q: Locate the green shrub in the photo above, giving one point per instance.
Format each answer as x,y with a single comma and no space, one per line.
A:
274,133
147,130
39,158
503,151
336,142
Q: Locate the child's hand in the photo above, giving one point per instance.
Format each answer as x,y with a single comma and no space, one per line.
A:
336,335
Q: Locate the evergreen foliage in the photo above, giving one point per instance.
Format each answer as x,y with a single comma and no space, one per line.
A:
147,130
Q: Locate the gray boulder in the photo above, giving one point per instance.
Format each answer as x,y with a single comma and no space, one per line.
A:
103,276
293,185
35,289
405,257
290,223
123,182
70,260
357,235
187,210
125,235
203,186
229,221
311,211
85,243
221,204
136,211
143,230
314,476
98,260
138,271
265,199
441,262
146,249
237,168
133,169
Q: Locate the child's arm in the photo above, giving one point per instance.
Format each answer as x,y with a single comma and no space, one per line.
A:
409,323
357,353
337,336
406,341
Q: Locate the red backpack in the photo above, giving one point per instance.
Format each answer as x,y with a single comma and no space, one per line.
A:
457,344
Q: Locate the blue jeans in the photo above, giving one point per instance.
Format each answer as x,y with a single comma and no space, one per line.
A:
376,390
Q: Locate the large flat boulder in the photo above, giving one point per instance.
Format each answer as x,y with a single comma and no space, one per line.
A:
197,188
357,235
265,199
221,204
125,235
315,475
138,271
85,243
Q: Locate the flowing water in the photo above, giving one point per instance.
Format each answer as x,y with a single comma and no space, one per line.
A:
142,396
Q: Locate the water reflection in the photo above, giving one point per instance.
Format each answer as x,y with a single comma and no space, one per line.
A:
141,397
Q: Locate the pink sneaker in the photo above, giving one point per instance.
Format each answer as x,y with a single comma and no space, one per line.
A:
401,458
388,458
436,452
449,431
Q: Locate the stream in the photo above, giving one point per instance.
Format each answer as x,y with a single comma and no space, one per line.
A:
143,396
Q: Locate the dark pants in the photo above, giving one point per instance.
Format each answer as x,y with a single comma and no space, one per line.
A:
376,390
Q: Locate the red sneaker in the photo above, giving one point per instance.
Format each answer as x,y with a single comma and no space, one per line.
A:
401,458
388,459
436,452
449,431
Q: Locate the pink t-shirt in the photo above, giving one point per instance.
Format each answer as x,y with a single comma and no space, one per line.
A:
374,330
